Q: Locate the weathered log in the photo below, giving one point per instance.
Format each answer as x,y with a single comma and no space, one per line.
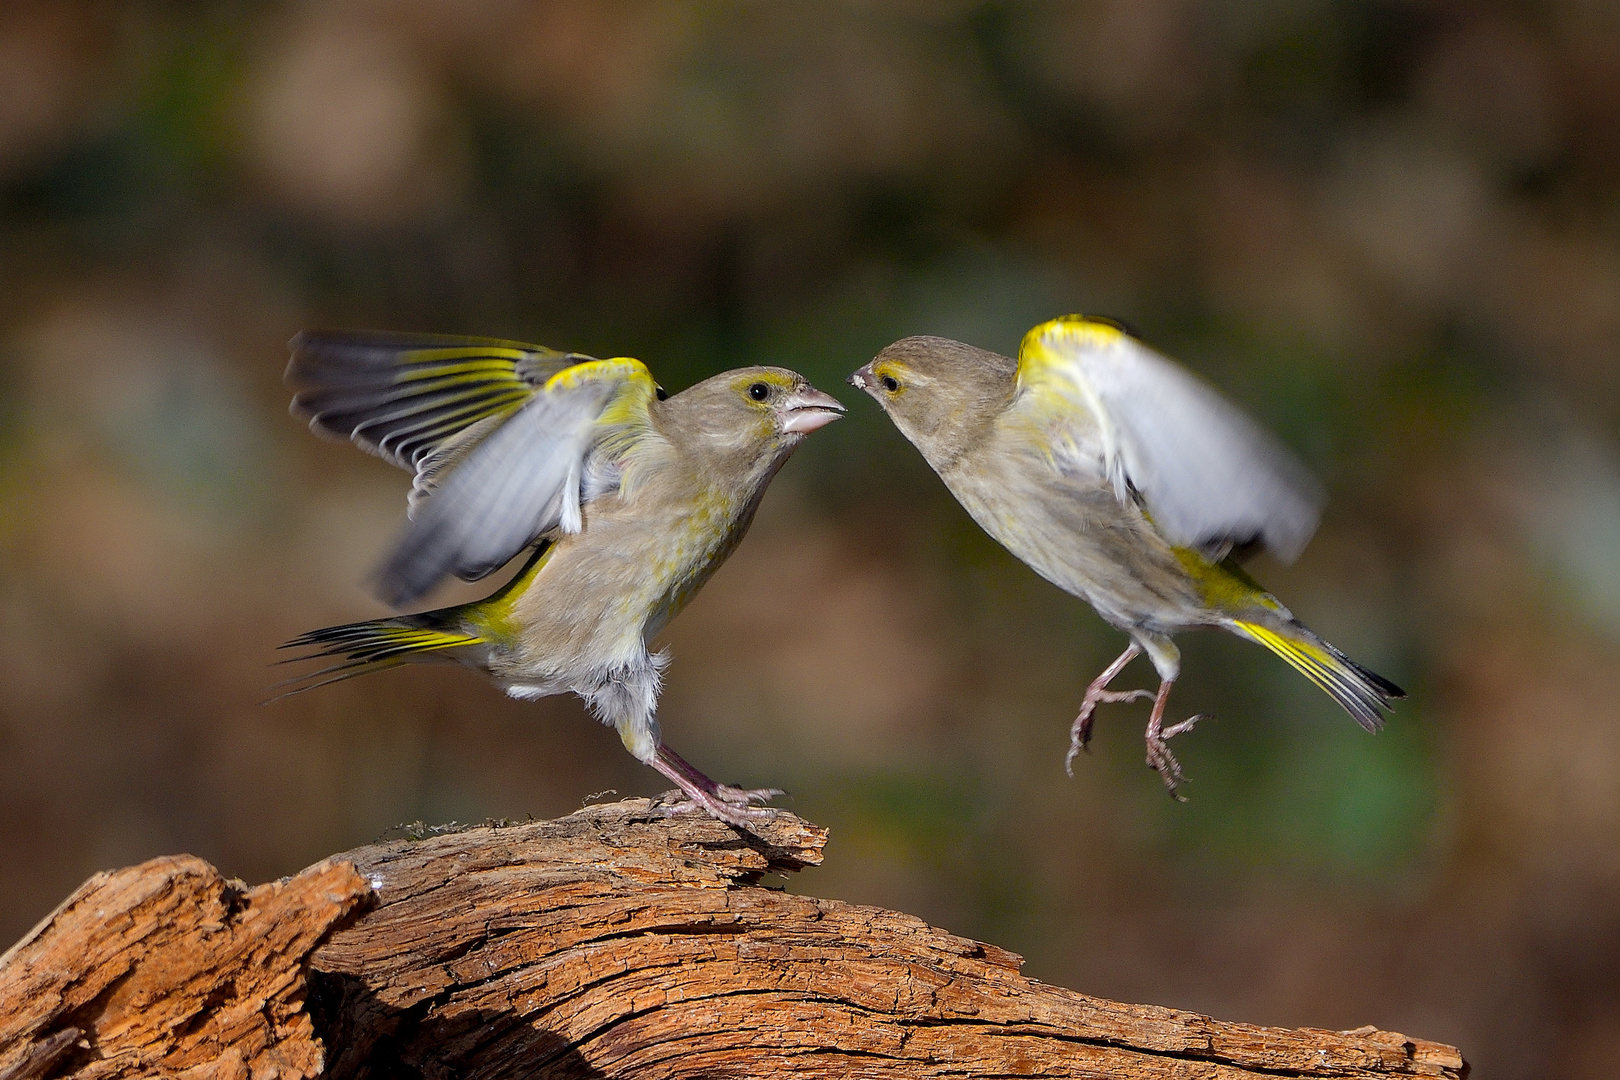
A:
618,942
167,967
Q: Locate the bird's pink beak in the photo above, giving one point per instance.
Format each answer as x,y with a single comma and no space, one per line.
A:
808,409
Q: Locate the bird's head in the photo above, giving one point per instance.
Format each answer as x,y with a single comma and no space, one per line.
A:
755,412
937,391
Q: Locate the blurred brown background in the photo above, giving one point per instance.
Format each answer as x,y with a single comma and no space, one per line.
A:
1391,229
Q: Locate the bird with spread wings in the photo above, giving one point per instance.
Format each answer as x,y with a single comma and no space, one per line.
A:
1126,481
626,499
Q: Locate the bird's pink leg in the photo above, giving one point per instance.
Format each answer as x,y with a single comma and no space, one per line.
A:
724,792
1098,694
732,805
1158,754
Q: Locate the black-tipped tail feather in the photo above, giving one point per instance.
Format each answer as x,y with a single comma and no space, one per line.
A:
369,646
1364,694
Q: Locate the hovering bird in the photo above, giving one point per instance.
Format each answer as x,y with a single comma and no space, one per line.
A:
630,498
1126,481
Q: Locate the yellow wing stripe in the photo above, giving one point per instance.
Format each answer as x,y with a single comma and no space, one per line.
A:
500,369
501,357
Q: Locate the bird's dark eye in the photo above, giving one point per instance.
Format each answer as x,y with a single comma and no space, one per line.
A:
663,395
890,383
759,391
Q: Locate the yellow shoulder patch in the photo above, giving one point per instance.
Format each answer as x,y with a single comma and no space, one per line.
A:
1047,342
629,403
1051,379
613,369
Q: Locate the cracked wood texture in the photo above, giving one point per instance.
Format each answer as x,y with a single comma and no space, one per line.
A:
168,969
616,942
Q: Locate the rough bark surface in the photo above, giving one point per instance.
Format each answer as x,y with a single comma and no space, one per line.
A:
616,942
167,968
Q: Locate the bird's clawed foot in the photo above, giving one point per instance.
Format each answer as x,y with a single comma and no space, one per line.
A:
737,796
1164,762
1159,757
1099,694
1185,726
1080,730
696,800
732,805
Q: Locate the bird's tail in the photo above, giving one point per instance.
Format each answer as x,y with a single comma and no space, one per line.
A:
380,644
363,647
1363,694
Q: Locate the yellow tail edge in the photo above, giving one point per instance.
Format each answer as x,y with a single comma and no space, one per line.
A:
1364,694
379,644
366,647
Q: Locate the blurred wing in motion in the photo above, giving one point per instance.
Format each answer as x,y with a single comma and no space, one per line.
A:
501,436
1208,475
419,401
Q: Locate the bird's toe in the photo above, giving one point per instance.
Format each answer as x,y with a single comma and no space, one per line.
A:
1160,759
736,796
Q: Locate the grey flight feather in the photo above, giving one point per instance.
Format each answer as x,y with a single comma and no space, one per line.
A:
402,398
519,483
499,460
1209,476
